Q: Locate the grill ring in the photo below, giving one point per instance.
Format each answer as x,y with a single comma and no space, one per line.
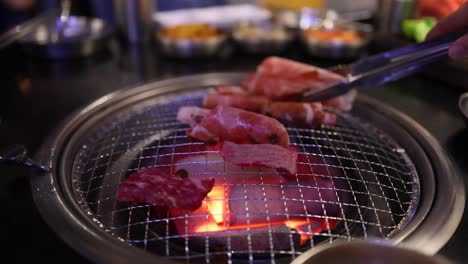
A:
442,192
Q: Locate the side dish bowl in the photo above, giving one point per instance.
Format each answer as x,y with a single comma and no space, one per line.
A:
333,37
265,38
189,41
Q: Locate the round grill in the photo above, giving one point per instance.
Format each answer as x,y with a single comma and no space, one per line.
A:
375,182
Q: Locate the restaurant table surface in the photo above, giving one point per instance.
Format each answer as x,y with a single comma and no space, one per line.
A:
35,95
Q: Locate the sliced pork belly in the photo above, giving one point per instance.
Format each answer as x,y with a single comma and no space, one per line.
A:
302,114
343,102
326,118
242,101
192,115
295,113
212,164
230,89
249,82
260,155
156,187
226,123
279,78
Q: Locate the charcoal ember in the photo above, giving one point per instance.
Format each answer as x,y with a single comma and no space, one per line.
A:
256,239
255,203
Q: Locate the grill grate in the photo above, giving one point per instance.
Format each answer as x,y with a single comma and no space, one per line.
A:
375,183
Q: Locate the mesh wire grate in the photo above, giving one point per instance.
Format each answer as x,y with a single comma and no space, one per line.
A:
373,183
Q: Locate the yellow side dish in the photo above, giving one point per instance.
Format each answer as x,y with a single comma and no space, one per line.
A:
256,32
294,4
190,32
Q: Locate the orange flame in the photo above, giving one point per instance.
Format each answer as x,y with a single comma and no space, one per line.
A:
216,203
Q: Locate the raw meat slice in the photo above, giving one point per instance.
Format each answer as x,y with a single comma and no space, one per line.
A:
242,101
294,113
230,89
156,187
327,119
191,115
249,81
279,78
226,123
260,155
344,102
303,114
212,164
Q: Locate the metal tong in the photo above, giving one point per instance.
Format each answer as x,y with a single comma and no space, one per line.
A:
386,67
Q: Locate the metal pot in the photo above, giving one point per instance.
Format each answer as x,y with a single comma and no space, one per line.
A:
77,37
135,19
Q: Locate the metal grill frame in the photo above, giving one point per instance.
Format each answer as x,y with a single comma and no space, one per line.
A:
105,173
53,194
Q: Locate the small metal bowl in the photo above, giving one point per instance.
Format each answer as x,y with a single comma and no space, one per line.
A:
261,38
190,48
294,20
334,49
74,37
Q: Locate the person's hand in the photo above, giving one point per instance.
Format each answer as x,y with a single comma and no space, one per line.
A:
458,20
